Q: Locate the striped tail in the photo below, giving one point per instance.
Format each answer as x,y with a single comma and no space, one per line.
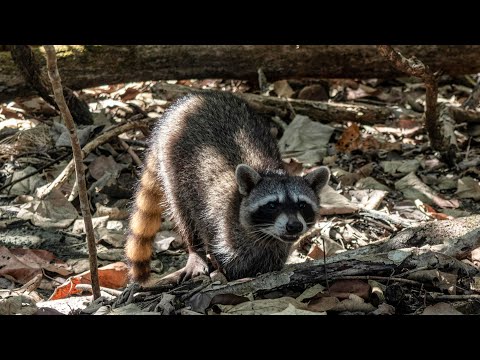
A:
145,222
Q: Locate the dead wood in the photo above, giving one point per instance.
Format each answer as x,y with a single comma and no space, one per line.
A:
29,67
86,66
316,110
54,76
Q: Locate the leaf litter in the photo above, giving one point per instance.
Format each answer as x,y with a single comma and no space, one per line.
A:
385,179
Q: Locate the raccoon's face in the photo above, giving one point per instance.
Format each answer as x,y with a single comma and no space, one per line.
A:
279,206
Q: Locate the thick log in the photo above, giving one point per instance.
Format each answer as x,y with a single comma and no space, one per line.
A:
86,66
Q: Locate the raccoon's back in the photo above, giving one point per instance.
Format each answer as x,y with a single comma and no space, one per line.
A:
218,124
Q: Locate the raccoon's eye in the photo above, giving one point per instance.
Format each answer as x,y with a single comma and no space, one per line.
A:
272,205
302,204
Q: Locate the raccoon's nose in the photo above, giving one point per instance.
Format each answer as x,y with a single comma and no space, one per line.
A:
294,227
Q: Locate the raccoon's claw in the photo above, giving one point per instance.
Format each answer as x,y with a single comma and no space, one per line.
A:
196,266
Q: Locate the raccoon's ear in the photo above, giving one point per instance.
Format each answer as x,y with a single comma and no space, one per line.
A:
247,178
318,178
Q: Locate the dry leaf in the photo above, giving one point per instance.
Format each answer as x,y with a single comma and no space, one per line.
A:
441,309
53,212
103,164
24,264
349,140
314,92
283,89
315,252
354,304
442,280
413,188
342,289
323,303
292,310
468,188
400,166
334,203
384,309
305,140
113,276
264,306
311,292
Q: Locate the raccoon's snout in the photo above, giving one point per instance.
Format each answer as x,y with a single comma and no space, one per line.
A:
294,227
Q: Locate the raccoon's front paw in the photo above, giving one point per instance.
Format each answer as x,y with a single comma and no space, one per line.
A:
196,266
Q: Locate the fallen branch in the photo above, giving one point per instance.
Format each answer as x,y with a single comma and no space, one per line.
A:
79,167
88,148
316,110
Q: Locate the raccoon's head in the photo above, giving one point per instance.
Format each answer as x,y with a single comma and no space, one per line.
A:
279,205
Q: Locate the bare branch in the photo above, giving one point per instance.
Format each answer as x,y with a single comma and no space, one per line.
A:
79,167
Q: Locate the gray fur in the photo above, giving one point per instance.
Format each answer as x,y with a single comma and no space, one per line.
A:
200,143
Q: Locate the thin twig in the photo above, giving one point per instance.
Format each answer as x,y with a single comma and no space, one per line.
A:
369,277
455,297
415,67
36,171
130,151
54,76
88,287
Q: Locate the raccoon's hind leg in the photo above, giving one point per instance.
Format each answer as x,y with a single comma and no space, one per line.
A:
145,222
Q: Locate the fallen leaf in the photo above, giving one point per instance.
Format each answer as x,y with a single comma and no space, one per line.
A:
264,306
354,304
103,164
28,185
371,183
311,292
292,310
413,188
349,140
442,280
283,89
400,166
468,188
384,309
342,289
113,276
321,304
314,92
334,203
315,252
305,140
53,212
441,309
22,265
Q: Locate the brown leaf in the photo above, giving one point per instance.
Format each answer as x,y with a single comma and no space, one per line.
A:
315,252
101,164
283,88
323,303
342,289
313,92
24,264
113,276
350,139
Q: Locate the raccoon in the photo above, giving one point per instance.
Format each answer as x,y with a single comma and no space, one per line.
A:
213,163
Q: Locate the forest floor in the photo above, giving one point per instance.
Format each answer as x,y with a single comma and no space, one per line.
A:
386,179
